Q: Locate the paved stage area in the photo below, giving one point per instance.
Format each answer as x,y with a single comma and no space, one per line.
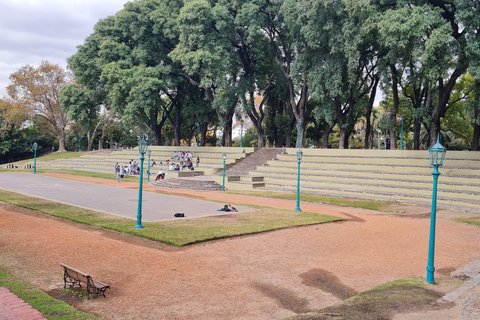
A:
112,200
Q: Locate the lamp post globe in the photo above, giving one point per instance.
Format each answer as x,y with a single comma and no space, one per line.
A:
224,155
437,155
35,146
142,148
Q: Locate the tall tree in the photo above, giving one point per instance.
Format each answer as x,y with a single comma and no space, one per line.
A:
37,90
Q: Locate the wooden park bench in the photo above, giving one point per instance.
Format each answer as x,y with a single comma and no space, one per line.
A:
74,277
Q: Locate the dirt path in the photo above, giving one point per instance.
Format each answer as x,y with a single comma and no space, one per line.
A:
265,276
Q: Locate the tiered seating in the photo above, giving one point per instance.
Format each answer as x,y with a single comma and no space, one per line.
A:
211,159
389,175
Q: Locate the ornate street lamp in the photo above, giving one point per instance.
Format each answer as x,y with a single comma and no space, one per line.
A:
224,158
149,152
142,148
35,146
241,133
299,158
437,154
401,142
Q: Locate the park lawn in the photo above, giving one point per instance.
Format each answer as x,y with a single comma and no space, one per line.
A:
384,301
51,308
55,156
178,232
474,219
337,201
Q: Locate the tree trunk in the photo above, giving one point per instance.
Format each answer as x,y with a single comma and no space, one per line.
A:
343,136
228,127
417,126
89,141
476,129
371,101
396,104
326,136
61,139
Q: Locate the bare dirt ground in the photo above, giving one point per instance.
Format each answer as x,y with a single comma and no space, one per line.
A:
265,276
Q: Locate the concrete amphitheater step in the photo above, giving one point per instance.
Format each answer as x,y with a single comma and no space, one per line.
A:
396,176
185,183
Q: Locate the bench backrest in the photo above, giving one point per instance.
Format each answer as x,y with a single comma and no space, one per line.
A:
73,273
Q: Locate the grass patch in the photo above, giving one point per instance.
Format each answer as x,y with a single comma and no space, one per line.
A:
338,201
382,302
176,232
475,220
55,156
51,308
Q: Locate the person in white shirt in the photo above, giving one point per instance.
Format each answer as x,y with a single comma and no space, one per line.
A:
160,175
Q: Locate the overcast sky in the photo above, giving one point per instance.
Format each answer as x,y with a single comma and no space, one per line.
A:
36,30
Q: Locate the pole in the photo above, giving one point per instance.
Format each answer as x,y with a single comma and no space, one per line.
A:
139,213
79,142
298,188
401,142
35,161
431,246
223,185
299,133
299,159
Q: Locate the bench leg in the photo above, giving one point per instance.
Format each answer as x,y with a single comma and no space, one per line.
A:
96,291
71,281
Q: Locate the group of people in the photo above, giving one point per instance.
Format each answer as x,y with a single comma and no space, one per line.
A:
185,160
125,171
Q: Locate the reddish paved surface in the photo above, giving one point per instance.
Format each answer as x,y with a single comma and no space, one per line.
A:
14,308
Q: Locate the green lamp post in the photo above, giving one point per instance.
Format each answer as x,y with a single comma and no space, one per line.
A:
299,158
437,154
224,158
401,142
142,148
149,152
35,146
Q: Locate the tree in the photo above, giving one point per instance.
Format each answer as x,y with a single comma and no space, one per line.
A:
37,91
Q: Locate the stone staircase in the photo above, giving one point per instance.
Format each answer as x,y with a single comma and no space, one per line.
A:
252,161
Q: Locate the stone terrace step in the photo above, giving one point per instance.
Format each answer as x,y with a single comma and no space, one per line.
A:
396,176
190,184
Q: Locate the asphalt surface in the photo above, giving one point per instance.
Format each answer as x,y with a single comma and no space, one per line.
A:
118,201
